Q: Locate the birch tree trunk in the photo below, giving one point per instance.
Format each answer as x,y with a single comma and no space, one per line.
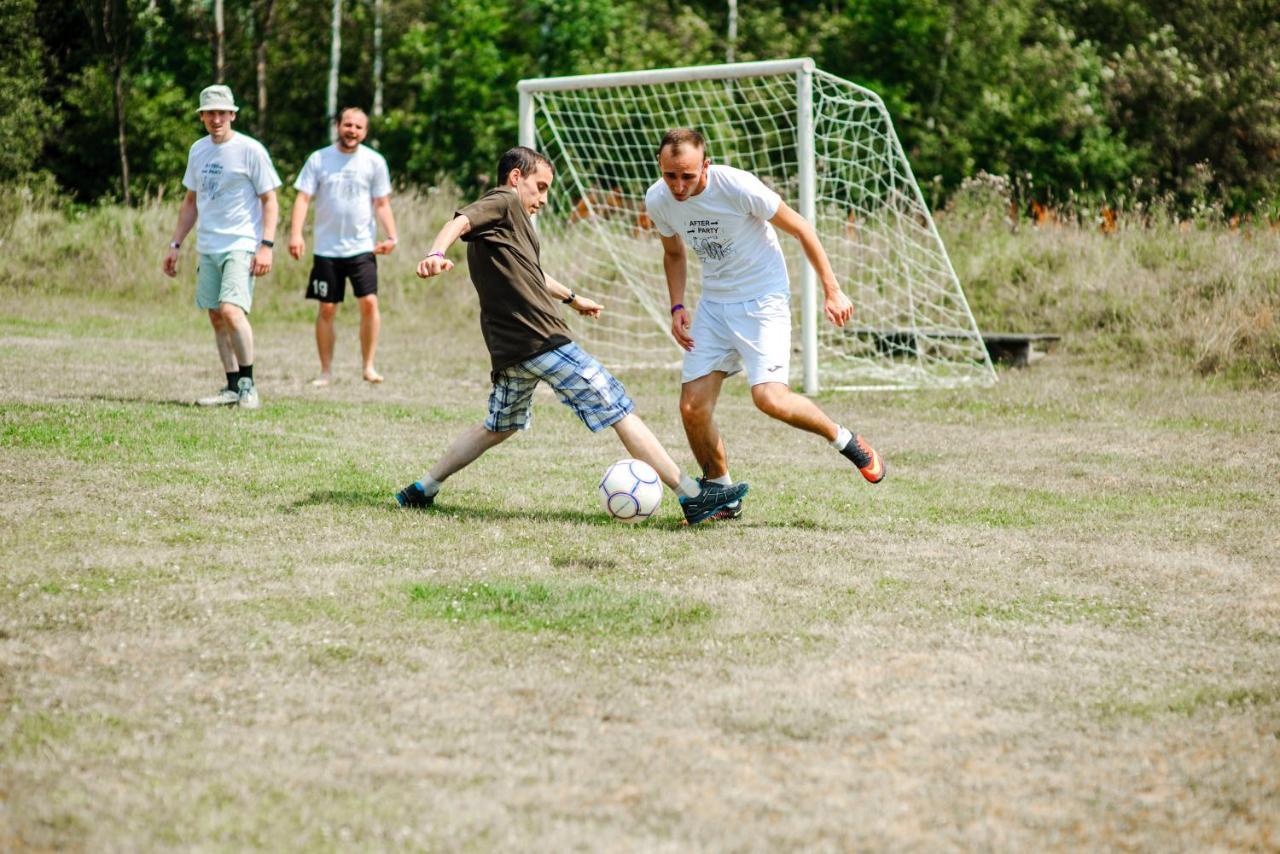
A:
219,36
377,59
122,139
335,59
112,28
265,19
733,31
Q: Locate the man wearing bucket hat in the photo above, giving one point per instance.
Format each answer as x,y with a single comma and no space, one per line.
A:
231,190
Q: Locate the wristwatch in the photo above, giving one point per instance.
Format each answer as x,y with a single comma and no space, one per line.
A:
570,298
173,244
270,244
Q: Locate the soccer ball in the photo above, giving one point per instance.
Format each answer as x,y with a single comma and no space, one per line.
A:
630,490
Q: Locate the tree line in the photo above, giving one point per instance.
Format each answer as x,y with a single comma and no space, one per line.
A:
1127,101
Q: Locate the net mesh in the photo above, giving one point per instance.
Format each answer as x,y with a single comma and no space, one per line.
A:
911,327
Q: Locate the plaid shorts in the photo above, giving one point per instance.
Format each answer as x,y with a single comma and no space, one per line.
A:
582,383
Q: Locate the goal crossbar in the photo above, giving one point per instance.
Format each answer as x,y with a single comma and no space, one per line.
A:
732,71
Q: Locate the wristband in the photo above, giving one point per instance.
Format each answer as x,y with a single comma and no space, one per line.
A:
437,253
677,307
270,244
569,299
175,245
393,240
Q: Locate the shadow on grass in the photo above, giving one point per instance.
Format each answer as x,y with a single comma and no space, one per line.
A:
384,500
151,401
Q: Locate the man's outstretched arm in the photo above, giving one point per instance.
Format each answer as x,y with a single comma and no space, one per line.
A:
435,262
836,304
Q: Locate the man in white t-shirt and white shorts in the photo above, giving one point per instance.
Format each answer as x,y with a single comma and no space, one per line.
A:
231,189
728,217
351,187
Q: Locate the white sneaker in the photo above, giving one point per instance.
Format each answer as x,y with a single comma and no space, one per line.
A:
248,396
224,397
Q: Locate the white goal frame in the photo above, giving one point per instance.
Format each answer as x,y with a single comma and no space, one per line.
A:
803,70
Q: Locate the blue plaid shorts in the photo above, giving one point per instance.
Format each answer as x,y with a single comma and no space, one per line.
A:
582,383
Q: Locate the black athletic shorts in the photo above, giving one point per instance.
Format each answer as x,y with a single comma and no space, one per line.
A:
329,277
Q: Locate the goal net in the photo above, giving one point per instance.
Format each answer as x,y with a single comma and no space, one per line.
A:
826,145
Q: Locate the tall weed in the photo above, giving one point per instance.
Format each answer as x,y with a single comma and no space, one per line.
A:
1156,291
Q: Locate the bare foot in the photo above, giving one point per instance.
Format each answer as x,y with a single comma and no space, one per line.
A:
372,376
320,381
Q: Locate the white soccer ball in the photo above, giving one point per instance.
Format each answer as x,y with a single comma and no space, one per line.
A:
630,490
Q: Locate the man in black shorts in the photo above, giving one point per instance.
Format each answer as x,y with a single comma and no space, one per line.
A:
529,343
351,187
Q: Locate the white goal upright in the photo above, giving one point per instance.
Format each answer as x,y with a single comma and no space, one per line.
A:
826,145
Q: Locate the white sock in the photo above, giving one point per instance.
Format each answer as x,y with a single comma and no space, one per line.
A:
842,439
688,487
430,485
723,480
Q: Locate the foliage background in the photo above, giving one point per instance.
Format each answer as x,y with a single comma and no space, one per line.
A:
1127,101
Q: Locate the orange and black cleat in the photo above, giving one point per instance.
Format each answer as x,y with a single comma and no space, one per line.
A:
866,459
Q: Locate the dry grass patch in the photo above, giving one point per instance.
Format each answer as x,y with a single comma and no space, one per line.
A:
1053,626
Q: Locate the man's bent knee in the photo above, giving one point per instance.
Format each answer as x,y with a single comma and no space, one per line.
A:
328,310
771,398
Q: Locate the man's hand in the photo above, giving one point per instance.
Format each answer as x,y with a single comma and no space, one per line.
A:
586,307
433,265
680,328
261,261
297,246
386,247
170,265
838,308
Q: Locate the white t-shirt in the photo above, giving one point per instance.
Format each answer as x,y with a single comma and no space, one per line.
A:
726,225
227,179
343,186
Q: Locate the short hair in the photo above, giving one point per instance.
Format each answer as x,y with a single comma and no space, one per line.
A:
337,120
523,158
678,138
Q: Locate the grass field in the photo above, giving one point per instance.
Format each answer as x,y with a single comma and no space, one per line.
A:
1055,625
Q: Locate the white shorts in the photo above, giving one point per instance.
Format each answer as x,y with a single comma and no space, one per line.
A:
728,336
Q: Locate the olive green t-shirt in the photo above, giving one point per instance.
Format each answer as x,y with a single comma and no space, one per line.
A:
517,314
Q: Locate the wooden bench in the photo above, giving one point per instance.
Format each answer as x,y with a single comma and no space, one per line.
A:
1015,348
1018,348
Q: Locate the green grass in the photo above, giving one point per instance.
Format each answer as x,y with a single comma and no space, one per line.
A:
590,610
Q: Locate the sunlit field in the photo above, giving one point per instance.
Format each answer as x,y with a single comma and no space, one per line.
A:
1056,625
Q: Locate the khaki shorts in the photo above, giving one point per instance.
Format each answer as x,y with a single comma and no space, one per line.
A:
224,277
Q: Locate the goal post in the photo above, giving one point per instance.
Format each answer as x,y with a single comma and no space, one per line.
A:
826,145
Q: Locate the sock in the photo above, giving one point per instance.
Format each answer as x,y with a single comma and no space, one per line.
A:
723,480
246,373
233,380
430,486
688,487
842,439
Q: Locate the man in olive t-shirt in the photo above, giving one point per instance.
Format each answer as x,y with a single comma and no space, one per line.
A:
529,343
